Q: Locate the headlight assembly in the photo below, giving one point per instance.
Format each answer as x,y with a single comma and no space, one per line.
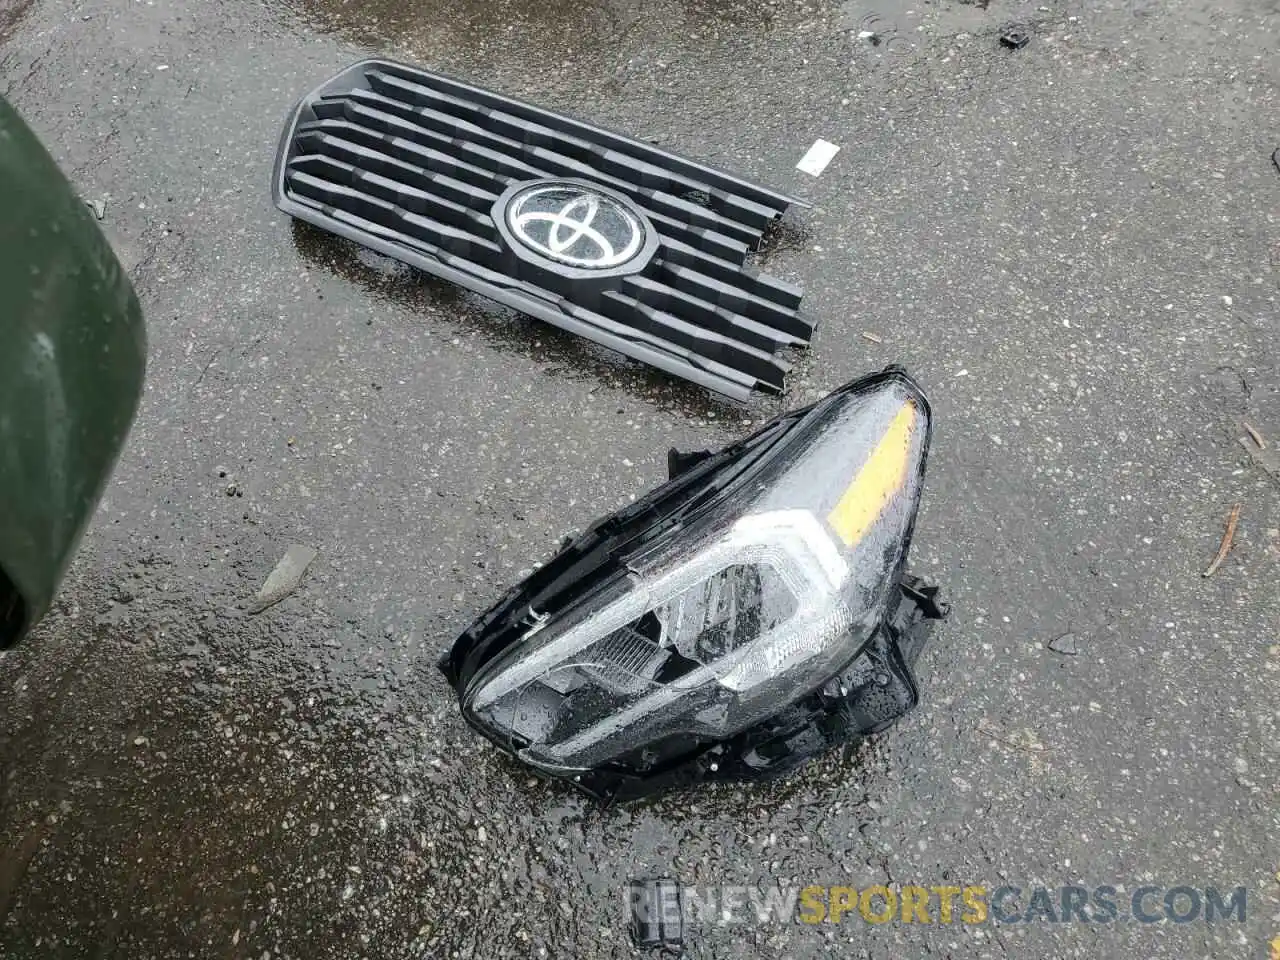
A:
747,614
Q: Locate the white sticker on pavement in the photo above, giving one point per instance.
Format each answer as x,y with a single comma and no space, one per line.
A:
816,160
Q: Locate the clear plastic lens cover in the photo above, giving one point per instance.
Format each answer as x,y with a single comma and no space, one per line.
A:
749,606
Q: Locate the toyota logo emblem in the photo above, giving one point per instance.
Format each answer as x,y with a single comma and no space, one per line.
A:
575,225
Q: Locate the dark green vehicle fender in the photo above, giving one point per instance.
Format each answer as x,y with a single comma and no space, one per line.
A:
72,358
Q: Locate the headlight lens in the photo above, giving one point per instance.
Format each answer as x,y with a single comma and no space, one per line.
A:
754,600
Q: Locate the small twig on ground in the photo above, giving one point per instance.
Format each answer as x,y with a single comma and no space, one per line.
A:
1227,537
1257,437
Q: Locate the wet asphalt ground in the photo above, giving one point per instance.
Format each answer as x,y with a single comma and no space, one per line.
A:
1075,247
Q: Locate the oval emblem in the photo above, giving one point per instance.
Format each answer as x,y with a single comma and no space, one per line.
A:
574,225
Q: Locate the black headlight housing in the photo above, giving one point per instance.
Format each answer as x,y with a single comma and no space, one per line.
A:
748,614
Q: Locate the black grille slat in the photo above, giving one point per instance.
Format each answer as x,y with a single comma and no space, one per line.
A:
499,164
759,363
652,177
553,163
732,375
363,159
731,298
475,154
714,317
577,128
708,241
408,198
418,166
572,156
411,152
633,169
785,295
373,228
388,214
662,189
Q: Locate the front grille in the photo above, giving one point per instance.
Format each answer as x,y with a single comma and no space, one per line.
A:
413,164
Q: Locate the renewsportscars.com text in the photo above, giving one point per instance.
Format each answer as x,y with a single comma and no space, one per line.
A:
949,904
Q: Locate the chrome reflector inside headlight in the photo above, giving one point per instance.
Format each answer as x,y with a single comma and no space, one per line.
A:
739,589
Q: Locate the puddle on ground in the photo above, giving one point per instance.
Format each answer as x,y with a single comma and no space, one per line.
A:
541,35
190,783
529,41
516,38
157,781
889,17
